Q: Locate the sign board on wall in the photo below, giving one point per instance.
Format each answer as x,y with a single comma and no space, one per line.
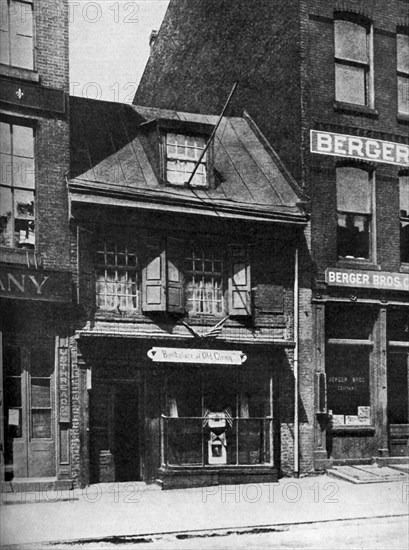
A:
382,280
369,149
202,356
35,284
64,386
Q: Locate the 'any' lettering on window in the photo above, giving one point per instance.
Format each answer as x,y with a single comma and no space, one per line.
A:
353,61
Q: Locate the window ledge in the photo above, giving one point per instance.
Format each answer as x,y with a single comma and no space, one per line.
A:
403,119
351,109
353,430
28,258
20,73
350,263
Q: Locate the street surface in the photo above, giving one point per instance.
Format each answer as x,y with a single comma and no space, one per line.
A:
390,533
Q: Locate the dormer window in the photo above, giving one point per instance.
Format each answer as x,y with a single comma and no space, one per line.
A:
183,152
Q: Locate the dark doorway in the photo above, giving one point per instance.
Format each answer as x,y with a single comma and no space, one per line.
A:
126,434
398,401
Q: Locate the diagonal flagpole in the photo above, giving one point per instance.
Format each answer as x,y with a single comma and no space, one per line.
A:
212,134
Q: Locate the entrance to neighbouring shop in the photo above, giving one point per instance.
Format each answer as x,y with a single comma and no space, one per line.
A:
115,432
29,423
398,402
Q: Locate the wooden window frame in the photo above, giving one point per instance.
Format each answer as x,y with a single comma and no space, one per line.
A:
402,74
11,40
371,218
404,222
130,296
367,67
17,184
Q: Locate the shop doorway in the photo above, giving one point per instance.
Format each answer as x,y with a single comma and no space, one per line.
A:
115,432
398,402
126,434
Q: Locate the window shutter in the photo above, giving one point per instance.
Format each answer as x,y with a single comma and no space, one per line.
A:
175,290
239,281
153,276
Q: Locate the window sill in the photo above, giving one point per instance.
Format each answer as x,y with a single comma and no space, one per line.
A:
353,430
28,258
359,110
402,119
351,263
20,73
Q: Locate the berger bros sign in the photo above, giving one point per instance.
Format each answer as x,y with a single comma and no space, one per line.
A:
382,280
369,149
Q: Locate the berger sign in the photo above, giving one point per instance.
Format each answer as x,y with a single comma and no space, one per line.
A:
374,150
382,280
206,356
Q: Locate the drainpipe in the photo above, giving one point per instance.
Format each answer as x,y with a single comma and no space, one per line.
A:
296,318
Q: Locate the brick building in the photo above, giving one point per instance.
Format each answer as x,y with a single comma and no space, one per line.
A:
186,344
35,280
328,85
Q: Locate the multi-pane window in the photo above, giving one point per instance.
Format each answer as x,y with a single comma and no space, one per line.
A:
182,154
116,276
204,282
403,73
354,205
404,218
40,389
352,62
17,186
16,33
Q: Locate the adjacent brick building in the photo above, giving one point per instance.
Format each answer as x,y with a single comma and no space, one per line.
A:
35,279
328,85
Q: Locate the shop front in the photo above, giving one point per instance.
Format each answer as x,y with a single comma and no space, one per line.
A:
362,376
181,416
34,359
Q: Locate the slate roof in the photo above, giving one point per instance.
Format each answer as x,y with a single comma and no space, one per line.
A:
111,163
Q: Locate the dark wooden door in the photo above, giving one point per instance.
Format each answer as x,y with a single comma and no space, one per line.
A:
398,403
126,433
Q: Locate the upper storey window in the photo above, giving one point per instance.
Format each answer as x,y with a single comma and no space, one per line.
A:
353,62
404,218
182,154
17,186
16,34
354,204
403,73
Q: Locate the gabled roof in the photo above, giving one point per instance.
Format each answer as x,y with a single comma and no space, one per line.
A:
114,161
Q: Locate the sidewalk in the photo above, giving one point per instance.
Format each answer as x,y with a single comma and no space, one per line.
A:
137,509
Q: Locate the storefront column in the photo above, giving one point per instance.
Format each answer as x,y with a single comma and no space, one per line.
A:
380,385
321,460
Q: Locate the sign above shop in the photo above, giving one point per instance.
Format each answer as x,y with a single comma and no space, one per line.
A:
35,284
203,356
373,150
382,280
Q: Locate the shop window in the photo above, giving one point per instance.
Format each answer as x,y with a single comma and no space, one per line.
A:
116,276
348,363
404,218
17,186
12,392
40,399
354,205
182,154
353,65
403,72
198,398
398,325
16,34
